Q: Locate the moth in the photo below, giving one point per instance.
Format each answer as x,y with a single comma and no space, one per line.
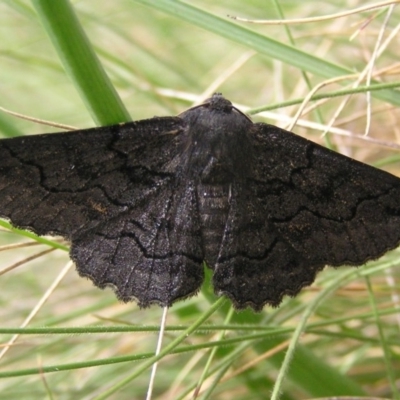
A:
145,203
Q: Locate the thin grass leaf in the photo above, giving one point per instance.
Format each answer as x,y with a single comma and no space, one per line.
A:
81,62
260,43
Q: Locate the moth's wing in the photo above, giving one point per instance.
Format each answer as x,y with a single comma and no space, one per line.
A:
151,253
117,194
61,183
304,207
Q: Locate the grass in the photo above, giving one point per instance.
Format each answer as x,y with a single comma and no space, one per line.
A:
339,337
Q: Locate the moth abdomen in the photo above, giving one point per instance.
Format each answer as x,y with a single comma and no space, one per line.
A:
213,203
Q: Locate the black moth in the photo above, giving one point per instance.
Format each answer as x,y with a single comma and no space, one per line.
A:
145,203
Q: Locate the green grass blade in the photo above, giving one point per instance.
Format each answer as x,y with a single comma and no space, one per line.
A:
252,40
80,61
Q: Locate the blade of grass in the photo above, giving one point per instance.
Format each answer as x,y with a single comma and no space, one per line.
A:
260,43
284,370
80,61
165,351
384,344
32,236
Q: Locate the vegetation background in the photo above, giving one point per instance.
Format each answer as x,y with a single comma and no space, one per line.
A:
338,337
